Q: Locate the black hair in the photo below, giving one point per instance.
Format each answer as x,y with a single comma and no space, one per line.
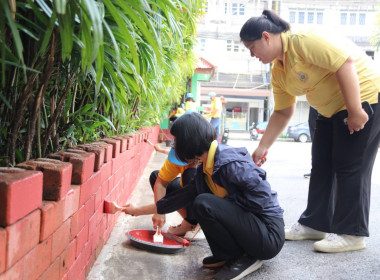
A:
269,21
189,99
193,136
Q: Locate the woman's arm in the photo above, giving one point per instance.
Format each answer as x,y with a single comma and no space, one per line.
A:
277,123
349,85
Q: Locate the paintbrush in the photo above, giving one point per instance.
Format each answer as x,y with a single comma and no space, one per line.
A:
111,207
147,141
158,237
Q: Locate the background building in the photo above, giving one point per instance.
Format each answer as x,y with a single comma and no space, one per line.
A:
244,81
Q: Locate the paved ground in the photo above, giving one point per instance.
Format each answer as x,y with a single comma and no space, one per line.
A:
287,162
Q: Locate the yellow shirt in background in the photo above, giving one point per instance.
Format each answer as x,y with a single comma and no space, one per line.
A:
208,168
310,61
216,104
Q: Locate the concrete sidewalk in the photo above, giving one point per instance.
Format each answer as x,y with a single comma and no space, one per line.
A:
287,162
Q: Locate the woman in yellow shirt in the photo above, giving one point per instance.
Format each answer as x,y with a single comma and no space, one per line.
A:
336,77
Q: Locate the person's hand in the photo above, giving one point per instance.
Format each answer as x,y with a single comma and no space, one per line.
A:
356,120
158,221
130,209
259,155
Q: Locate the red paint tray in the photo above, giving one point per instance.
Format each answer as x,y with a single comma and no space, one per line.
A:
143,239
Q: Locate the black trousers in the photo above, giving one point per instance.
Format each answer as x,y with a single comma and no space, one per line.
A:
232,231
343,207
174,185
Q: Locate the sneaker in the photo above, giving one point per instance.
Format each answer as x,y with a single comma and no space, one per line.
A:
212,262
336,243
181,229
238,268
195,234
300,232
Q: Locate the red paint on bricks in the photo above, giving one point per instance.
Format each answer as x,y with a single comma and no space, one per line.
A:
38,259
23,236
123,143
3,251
77,222
56,176
51,217
14,184
16,272
67,258
82,239
61,239
88,188
52,273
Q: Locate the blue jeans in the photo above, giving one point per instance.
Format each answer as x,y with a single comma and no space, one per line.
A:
215,122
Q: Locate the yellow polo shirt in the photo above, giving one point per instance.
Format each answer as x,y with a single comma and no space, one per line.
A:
310,61
169,171
208,168
216,104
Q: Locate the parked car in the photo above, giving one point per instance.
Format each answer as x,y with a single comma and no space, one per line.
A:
261,127
299,132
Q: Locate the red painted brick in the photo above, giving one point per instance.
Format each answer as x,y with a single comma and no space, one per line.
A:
3,249
76,271
15,183
83,163
99,152
56,178
89,208
16,272
115,146
106,172
52,273
77,222
90,187
51,217
23,236
82,239
67,258
61,239
71,202
38,260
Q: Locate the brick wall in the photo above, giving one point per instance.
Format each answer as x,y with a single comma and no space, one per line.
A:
52,224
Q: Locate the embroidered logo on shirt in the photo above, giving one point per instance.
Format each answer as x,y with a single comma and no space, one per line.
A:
302,76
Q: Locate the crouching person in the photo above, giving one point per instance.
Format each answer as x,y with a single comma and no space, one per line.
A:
231,199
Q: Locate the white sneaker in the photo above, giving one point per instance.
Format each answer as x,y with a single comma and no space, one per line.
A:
336,243
195,234
181,229
300,232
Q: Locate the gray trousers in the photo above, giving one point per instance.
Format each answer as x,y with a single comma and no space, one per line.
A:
341,208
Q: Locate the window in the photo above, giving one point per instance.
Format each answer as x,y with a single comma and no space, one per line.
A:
202,43
343,18
234,9
352,18
301,17
310,17
241,9
229,45
362,19
236,46
320,18
225,8
292,17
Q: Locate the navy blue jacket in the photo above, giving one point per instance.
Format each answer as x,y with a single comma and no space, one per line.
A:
235,171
